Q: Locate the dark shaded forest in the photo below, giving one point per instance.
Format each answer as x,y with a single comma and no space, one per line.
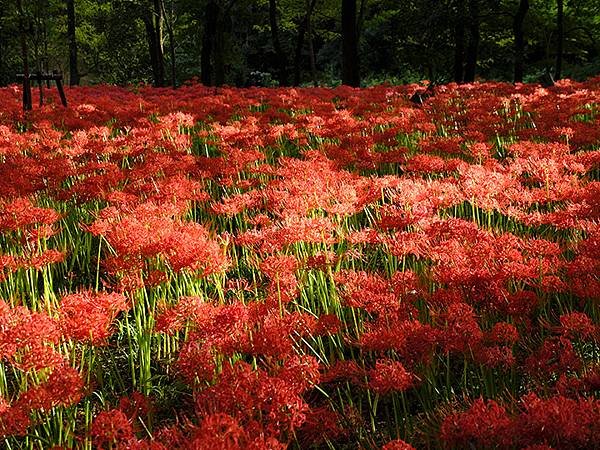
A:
299,42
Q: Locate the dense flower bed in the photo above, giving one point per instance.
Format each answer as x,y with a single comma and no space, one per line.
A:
274,268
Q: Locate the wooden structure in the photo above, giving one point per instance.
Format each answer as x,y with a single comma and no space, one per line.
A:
421,95
40,78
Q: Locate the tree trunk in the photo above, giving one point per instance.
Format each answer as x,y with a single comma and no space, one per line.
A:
24,54
350,63
219,53
282,75
360,19
560,28
212,57
311,49
303,28
298,54
520,39
73,71
223,26
171,34
473,45
459,43
46,62
172,51
151,38
153,22
211,17
158,29
2,69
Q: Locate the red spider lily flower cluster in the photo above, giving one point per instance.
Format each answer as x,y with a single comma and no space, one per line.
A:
28,228
30,343
557,421
269,268
150,232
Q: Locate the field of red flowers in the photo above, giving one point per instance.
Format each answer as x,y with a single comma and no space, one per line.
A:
301,268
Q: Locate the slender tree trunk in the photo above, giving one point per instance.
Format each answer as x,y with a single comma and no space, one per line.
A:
350,63
153,22
211,17
473,44
24,54
459,48
73,71
219,53
158,42
311,49
151,38
171,34
38,42
282,75
173,62
46,63
560,28
212,58
520,39
303,28
298,53
360,19
2,68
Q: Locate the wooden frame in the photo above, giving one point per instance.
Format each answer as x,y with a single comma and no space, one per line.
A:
40,78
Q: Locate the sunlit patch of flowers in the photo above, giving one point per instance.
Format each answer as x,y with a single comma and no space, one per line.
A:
306,268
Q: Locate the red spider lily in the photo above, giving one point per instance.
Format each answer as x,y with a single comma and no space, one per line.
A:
495,356
483,424
262,403
577,325
21,214
14,420
344,371
397,444
412,340
255,329
472,253
41,260
26,338
88,316
558,421
8,265
315,183
275,267
375,294
136,405
321,260
289,231
389,376
150,231
96,181
64,386
461,332
503,333
556,356
490,188
111,428
322,424
327,324
219,431
234,205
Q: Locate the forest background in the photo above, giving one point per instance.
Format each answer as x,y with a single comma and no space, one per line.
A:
300,42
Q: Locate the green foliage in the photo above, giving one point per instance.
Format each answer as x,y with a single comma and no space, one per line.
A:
399,41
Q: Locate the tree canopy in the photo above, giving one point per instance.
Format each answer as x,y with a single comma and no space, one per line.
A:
294,42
